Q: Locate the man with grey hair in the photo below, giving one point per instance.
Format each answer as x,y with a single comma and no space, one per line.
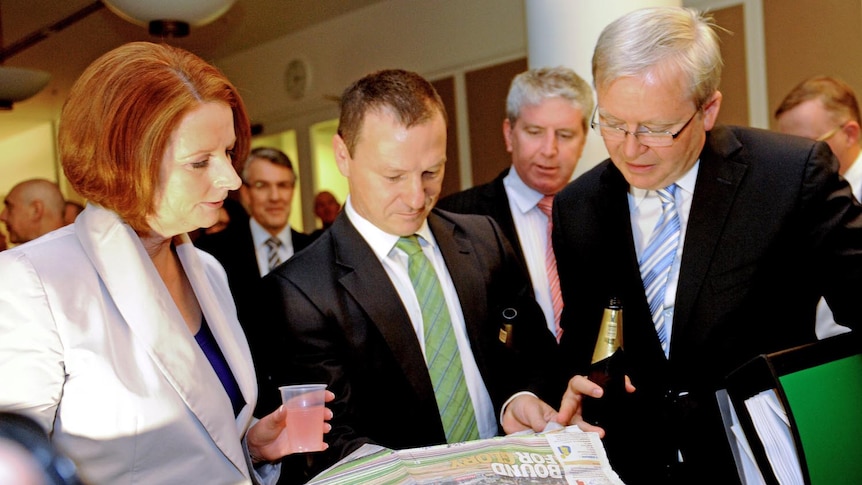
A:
32,208
719,241
545,130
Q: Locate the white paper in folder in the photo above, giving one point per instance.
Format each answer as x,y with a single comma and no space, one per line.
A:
773,427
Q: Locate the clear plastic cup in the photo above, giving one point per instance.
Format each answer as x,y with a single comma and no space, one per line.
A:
304,404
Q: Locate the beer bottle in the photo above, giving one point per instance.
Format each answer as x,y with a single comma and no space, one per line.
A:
607,368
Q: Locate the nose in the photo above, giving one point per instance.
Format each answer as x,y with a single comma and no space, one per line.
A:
226,176
632,147
274,192
415,193
549,144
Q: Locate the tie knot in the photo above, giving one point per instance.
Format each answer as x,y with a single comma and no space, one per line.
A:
409,244
546,204
667,194
273,243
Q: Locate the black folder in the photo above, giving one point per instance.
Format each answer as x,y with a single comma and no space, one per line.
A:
820,387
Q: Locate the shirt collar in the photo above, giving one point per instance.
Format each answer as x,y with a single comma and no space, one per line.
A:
853,175
259,235
381,242
524,196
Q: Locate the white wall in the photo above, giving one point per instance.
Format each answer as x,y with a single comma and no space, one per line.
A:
432,37
436,38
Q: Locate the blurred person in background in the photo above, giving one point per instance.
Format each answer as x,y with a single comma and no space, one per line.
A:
31,209
71,209
326,208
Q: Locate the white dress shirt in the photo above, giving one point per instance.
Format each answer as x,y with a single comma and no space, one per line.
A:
394,261
645,210
531,224
259,236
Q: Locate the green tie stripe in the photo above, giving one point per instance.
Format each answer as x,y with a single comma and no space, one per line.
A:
441,347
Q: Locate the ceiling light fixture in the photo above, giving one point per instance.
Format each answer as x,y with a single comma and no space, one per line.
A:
165,18
18,84
169,18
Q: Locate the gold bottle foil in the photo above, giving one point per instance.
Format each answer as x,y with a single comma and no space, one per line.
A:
610,334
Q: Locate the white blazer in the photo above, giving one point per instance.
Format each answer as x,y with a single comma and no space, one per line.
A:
93,347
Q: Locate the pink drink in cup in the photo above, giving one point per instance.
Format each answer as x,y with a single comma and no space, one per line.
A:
304,406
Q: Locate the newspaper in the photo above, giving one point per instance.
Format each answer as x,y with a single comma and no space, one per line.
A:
566,456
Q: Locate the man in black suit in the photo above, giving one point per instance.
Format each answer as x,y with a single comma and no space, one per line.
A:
249,249
759,226
545,130
352,316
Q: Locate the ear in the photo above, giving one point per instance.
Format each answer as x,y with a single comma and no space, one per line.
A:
342,155
852,130
507,134
36,210
710,110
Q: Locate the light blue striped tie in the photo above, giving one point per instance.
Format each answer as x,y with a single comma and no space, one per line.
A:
657,259
441,347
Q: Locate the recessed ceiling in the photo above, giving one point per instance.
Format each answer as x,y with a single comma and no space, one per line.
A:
65,54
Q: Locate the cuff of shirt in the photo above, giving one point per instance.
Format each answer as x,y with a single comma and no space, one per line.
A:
506,404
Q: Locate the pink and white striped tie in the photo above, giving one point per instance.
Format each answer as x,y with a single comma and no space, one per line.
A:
545,206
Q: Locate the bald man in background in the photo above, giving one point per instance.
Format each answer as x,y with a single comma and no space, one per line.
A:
32,208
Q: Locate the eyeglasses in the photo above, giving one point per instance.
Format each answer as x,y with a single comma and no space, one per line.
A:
267,186
829,134
654,139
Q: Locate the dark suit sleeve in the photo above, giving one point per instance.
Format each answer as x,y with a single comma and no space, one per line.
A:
301,240
836,229
312,354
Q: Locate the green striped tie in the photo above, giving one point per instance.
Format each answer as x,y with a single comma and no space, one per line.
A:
441,348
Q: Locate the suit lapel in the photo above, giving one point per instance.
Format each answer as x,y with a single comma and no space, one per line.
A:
718,180
135,287
215,303
624,272
458,253
360,270
502,213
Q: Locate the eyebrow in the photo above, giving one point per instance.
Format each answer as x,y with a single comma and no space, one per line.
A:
644,124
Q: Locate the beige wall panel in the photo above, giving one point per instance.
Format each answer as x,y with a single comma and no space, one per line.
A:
734,105
451,178
805,38
486,100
